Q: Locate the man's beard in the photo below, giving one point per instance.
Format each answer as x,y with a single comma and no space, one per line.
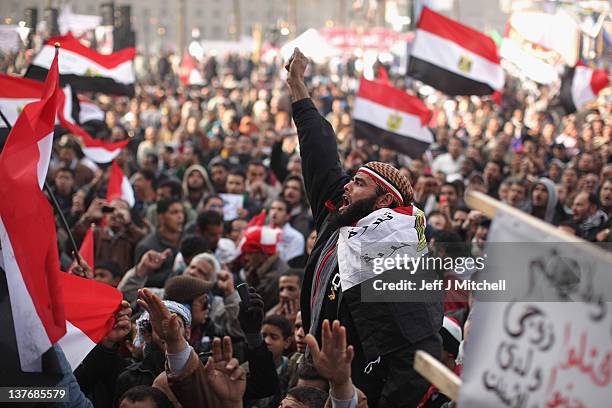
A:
353,213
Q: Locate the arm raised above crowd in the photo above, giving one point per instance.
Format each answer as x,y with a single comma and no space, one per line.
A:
324,177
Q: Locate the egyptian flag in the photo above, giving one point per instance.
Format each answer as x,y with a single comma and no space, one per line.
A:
454,58
38,302
580,85
95,149
27,229
16,92
86,69
390,117
90,307
89,111
119,186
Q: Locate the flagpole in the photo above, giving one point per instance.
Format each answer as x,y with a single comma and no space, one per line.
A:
58,209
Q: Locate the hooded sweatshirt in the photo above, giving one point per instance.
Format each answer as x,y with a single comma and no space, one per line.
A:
552,198
208,186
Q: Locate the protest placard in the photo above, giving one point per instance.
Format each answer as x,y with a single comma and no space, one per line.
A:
549,353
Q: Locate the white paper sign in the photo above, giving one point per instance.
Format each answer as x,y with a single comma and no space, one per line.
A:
541,354
231,204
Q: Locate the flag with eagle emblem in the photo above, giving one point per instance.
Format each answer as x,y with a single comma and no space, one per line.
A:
389,117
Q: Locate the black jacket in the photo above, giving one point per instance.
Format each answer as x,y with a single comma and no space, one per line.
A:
98,373
376,329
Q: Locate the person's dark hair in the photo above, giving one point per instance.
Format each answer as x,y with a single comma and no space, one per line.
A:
258,163
299,272
307,371
112,267
282,323
450,244
485,222
515,181
153,157
282,200
593,199
147,174
175,187
164,204
65,169
452,185
210,197
237,172
311,397
460,208
145,392
191,245
298,178
207,218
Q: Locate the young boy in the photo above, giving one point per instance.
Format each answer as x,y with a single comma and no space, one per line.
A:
277,333
107,272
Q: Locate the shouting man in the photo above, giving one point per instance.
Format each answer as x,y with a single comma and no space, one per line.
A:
385,334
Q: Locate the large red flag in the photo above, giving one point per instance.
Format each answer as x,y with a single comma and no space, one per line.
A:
27,229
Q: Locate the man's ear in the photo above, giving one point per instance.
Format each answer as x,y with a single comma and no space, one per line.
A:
384,201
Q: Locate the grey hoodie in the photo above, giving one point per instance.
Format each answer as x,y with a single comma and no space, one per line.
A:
551,205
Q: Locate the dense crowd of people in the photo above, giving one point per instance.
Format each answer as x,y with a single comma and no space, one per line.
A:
232,183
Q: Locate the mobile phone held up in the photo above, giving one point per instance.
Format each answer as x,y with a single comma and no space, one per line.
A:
107,210
243,292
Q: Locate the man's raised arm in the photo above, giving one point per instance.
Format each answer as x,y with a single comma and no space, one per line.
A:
323,175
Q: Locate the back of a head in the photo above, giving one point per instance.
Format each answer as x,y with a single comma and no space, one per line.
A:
144,393
310,397
207,218
191,245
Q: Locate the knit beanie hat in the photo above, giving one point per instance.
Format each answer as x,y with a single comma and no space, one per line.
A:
389,178
184,289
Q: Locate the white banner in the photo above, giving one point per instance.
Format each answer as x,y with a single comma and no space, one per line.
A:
541,354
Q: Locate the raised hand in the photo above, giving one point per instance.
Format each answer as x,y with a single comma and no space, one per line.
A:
164,323
223,372
225,282
151,261
296,66
250,319
333,359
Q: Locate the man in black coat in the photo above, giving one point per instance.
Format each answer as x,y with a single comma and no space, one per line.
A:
385,334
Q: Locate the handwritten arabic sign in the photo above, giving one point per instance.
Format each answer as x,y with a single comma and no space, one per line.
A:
528,354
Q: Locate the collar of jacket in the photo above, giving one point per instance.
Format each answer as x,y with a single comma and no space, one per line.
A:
265,267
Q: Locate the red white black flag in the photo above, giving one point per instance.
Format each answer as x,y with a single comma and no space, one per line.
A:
390,117
46,306
86,69
27,229
454,58
16,92
580,85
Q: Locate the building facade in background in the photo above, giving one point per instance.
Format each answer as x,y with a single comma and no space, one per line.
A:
158,25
